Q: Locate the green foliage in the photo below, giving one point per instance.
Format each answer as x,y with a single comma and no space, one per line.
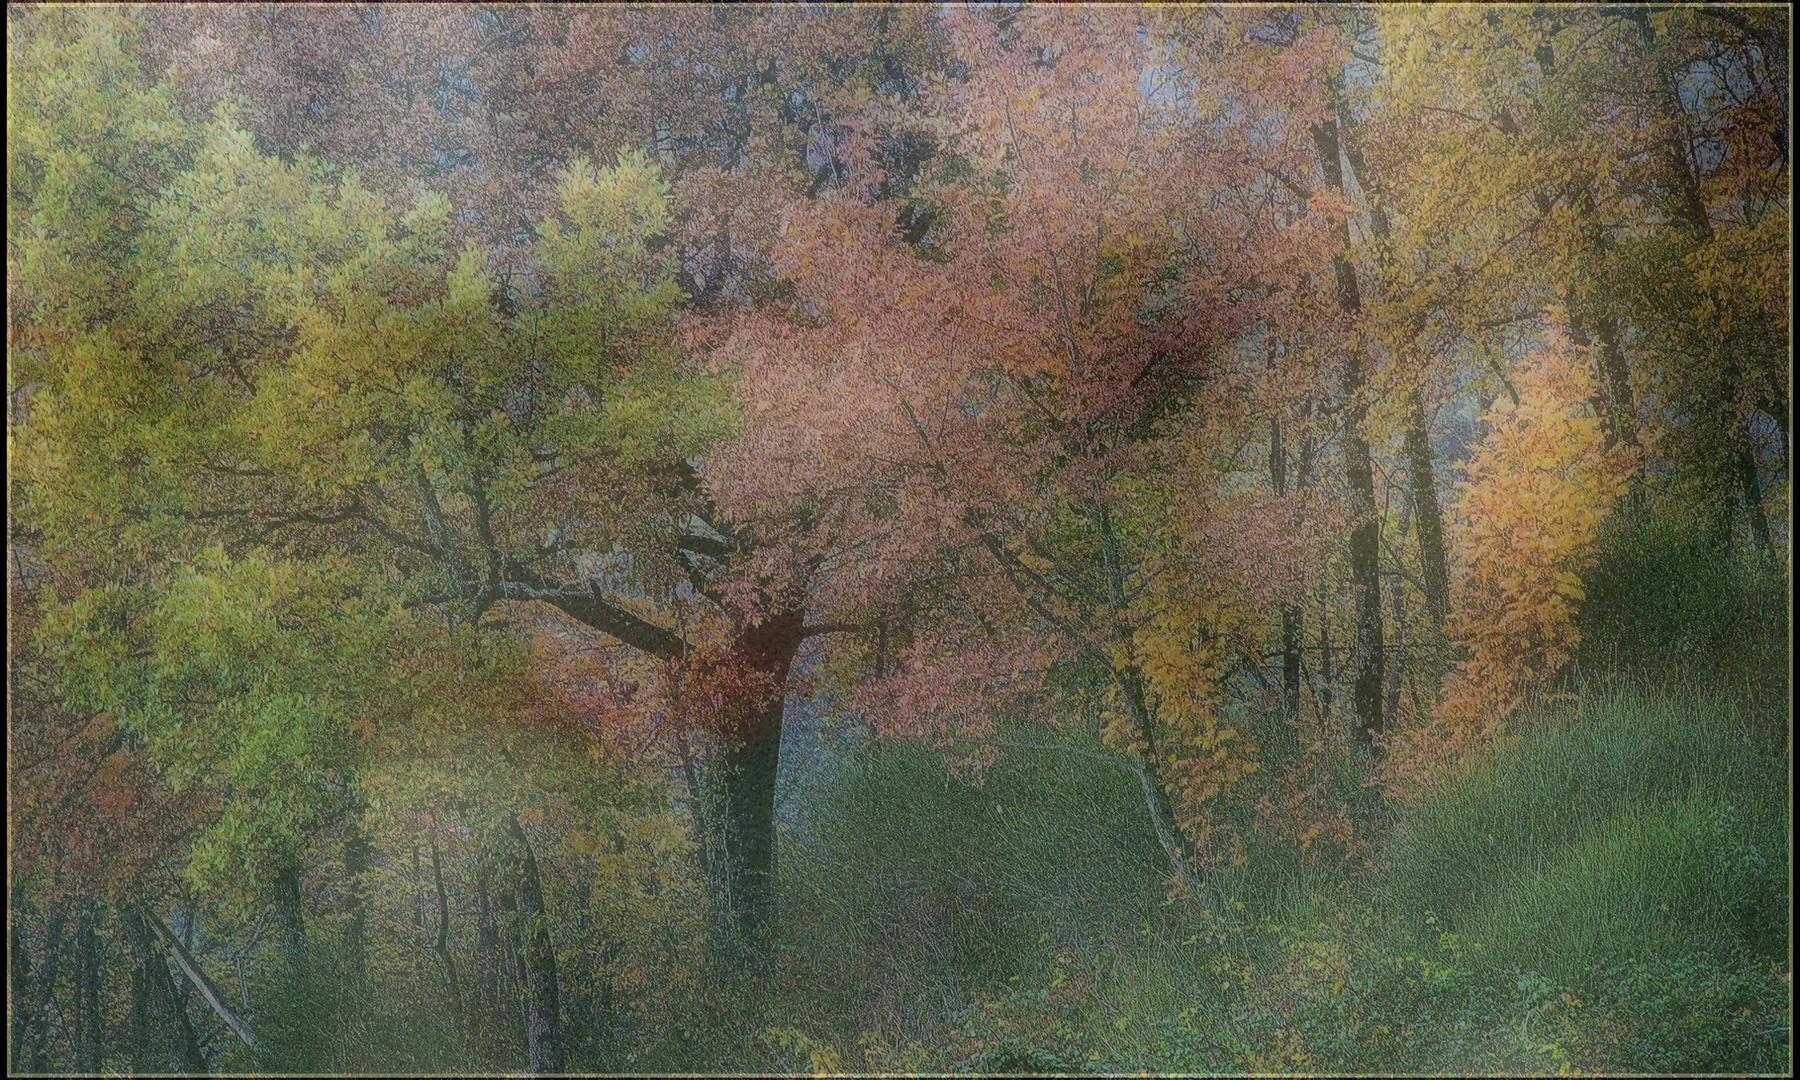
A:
916,886
1666,601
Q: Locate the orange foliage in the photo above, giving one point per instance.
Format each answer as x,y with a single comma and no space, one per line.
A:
1526,529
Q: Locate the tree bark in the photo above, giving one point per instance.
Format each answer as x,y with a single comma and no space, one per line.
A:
1397,659
1169,835
1753,499
740,792
442,945
162,1036
90,1047
1428,515
1327,694
1359,473
1420,467
43,985
1290,614
290,921
545,1051
21,1034
198,980
495,1018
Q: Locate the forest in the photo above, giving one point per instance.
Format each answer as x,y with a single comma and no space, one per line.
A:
898,539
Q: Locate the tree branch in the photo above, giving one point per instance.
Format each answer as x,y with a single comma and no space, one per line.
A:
200,981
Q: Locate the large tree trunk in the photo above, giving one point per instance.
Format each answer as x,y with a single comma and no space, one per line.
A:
494,984
740,790
537,958
298,1029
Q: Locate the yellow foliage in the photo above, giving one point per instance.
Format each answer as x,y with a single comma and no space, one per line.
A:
1183,652
1525,530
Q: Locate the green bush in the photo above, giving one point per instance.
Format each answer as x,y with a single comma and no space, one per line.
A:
913,890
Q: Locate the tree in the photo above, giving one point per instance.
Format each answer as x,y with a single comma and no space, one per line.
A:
993,420
1527,528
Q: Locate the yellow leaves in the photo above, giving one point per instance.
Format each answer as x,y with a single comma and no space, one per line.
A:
1183,653
1526,528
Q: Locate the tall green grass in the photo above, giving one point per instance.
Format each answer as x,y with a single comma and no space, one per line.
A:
1629,823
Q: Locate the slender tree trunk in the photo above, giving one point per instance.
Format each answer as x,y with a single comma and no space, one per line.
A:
1327,678
290,921
1427,514
162,1036
1423,492
1397,660
37,1055
352,985
537,955
89,1044
22,1030
1359,473
1290,614
442,946
1169,834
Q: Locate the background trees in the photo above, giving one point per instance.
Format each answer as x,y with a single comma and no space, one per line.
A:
458,449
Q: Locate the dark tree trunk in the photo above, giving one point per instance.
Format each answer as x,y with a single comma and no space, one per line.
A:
298,1029
1753,499
1424,500
512,963
1428,515
741,788
441,947
493,967
1615,376
89,1044
290,921
1327,693
1396,661
357,853
22,1031
1290,614
162,1038
537,959
43,986
1359,473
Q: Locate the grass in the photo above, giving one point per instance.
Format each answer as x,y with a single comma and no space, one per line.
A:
1608,893
1658,818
